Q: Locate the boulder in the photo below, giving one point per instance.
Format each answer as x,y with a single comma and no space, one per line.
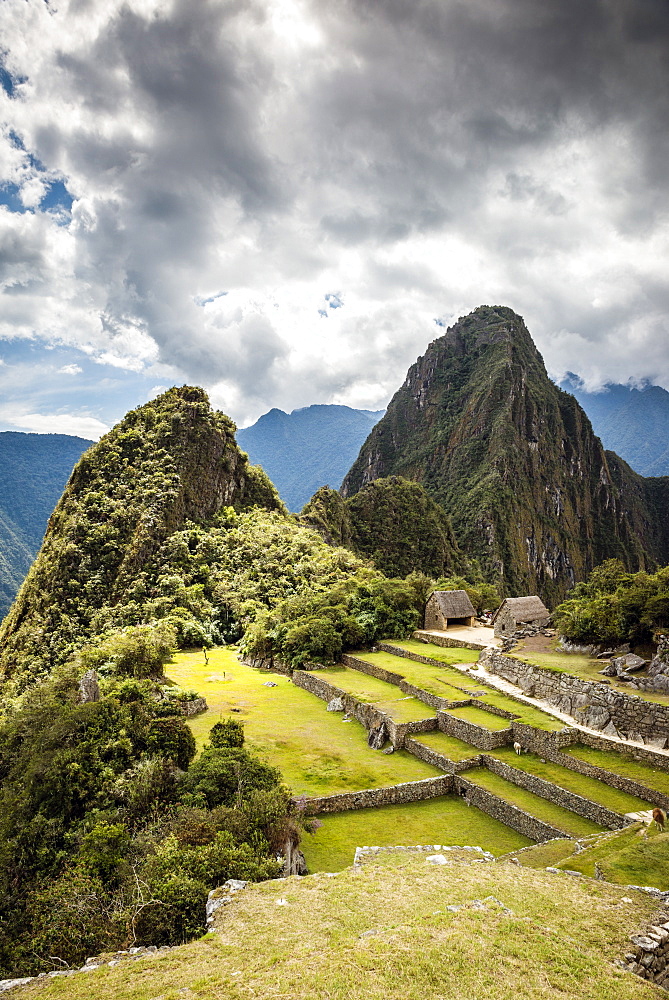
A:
377,737
89,688
335,705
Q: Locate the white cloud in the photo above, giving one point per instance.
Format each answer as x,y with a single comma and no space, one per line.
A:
70,370
240,169
55,423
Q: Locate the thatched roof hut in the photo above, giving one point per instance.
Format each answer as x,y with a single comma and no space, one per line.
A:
448,606
516,611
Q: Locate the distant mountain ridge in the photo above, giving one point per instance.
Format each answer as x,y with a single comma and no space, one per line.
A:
632,421
311,447
514,460
34,469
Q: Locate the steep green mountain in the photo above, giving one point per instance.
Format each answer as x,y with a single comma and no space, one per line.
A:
392,521
165,525
34,469
633,422
513,460
308,448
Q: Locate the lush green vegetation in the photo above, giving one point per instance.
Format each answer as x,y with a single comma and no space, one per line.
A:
450,746
388,932
479,716
110,834
444,820
615,606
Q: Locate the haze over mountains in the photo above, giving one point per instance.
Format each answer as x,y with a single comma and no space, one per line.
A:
311,447
632,421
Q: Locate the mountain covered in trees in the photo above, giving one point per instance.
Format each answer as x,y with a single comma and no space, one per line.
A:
308,448
514,462
632,421
34,469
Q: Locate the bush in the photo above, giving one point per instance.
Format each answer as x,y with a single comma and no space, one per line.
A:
229,733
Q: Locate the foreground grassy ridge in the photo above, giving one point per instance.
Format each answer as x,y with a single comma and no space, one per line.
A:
387,697
569,822
646,774
384,931
317,753
444,820
589,788
633,856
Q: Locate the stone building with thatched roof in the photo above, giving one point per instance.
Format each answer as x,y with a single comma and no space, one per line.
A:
515,611
448,607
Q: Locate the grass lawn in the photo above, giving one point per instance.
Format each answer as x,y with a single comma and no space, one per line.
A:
546,855
480,717
619,763
445,654
589,788
526,713
387,697
317,753
569,822
387,932
451,747
442,681
444,820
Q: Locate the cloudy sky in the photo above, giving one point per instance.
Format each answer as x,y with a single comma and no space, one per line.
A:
281,200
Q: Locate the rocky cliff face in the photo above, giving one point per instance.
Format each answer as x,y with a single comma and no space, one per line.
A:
167,463
512,459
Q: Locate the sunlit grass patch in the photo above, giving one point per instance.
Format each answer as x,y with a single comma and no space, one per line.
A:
443,820
316,751
620,763
480,717
387,697
446,654
450,746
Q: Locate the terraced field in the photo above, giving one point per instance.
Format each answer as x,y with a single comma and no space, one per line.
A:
320,753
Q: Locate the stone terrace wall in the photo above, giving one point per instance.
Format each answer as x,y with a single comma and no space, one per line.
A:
381,674
365,713
644,754
506,813
437,759
446,640
483,739
611,778
556,794
594,705
544,742
389,647
391,795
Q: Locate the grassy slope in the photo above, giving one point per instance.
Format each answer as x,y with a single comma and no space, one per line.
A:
559,941
633,856
444,820
589,788
446,654
549,812
480,717
651,777
387,697
317,753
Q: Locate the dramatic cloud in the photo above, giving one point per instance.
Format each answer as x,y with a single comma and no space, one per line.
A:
283,200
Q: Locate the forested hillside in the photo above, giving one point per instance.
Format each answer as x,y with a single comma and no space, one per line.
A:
513,460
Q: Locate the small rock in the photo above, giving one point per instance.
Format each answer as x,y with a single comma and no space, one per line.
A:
335,705
436,859
270,684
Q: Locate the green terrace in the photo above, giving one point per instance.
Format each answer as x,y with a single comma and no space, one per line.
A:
445,654
443,820
384,696
619,763
479,717
451,747
316,751
589,788
444,682
562,819
453,684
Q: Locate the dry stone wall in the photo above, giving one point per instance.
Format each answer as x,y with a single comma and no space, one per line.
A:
446,640
483,739
556,794
431,756
506,813
391,795
372,670
594,705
